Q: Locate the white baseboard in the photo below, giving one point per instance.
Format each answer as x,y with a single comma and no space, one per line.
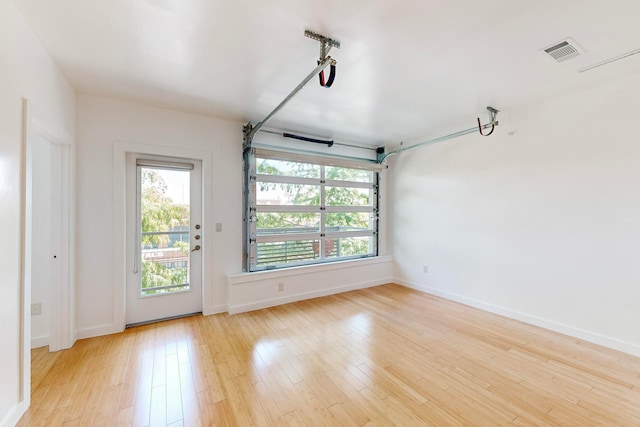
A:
241,308
37,342
12,418
112,329
98,331
595,338
216,309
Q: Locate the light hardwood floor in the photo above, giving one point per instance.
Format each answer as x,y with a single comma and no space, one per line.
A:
380,356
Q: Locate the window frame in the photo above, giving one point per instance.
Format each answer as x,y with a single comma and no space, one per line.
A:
322,235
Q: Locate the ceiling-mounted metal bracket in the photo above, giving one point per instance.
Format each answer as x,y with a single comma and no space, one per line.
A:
494,114
326,43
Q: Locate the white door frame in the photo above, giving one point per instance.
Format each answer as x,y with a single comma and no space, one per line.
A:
63,309
120,151
62,322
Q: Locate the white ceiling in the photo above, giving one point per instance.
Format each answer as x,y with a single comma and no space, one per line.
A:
406,70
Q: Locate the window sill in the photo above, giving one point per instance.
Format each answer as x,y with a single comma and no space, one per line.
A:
244,278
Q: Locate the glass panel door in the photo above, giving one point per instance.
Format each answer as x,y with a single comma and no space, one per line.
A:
164,238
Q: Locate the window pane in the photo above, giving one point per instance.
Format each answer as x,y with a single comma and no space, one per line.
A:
348,221
301,206
164,215
285,168
287,194
345,196
164,268
297,251
344,174
348,246
287,223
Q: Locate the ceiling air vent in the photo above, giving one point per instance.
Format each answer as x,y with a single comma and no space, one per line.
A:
564,50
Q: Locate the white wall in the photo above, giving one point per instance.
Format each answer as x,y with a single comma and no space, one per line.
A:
107,126
26,70
542,225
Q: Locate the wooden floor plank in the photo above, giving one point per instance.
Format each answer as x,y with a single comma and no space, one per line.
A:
380,356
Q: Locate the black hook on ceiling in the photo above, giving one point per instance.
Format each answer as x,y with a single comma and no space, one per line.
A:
493,114
493,127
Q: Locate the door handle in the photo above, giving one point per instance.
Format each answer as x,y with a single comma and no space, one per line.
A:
196,248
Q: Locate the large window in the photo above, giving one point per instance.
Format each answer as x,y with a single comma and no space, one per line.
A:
309,211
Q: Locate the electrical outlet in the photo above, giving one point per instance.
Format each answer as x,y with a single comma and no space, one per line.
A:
218,227
280,287
425,269
36,309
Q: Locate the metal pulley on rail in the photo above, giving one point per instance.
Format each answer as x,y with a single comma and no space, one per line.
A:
493,122
326,44
332,74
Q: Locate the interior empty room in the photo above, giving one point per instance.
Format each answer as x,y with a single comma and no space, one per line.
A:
289,213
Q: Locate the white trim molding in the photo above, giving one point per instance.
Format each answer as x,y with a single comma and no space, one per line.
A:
257,276
37,342
120,150
253,291
592,337
272,302
99,331
12,418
